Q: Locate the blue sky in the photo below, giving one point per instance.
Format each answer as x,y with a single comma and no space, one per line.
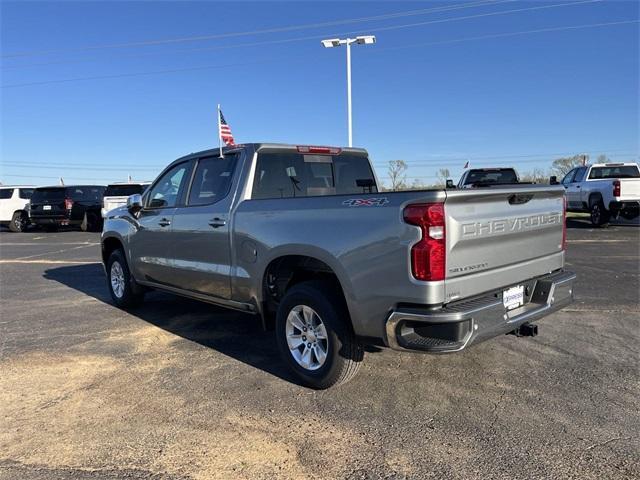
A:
433,94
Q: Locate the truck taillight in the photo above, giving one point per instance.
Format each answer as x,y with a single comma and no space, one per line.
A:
68,203
616,188
564,222
428,256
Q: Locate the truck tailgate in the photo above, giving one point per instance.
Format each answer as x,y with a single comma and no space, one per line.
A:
497,237
629,190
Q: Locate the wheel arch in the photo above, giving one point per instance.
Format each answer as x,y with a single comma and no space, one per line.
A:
109,245
595,197
288,269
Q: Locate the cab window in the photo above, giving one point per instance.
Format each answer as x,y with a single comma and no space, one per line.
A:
167,189
25,193
212,180
568,178
580,173
6,193
288,174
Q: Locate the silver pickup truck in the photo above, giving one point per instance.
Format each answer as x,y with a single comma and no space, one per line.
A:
303,237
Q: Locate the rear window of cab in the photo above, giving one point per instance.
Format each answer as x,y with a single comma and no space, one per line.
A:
291,174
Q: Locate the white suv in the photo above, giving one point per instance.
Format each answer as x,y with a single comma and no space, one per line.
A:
14,205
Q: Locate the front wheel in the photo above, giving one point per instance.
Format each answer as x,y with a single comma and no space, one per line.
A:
123,288
314,335
599,215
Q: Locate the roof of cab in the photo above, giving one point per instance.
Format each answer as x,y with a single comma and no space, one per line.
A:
261,145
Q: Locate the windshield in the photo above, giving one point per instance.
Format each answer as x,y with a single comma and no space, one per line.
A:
48,194
124,190
620,171
491,177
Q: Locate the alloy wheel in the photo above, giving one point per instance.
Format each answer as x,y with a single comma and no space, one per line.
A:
117,279
307,337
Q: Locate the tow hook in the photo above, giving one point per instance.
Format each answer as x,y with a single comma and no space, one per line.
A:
525,330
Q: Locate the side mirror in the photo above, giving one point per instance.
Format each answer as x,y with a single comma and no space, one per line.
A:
553,180
134,203
450,183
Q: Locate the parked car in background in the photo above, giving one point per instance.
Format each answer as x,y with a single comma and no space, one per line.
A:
116,194
74,205
605,190
301,236
14,204
483,177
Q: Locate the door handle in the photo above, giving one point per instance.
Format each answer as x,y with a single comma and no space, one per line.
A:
165,222
217,222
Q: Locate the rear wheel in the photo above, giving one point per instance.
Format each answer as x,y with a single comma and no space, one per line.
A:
124,290
19,222
90,222
315,337
599,214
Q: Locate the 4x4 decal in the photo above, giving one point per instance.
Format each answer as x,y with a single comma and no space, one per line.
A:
366,202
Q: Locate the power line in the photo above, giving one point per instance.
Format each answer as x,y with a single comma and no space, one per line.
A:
512,34
610,151
137,74
288,59
316,37
290,28
544,157
62,166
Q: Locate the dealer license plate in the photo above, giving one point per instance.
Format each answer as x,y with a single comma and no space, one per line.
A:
46,207
513,297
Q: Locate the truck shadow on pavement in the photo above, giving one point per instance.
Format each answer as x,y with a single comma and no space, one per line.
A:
235,334
585,223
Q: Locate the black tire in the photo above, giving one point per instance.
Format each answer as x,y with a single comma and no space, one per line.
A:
132,294
344,352
599,215
90,223
19,222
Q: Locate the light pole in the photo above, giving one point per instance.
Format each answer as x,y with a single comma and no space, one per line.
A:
336,42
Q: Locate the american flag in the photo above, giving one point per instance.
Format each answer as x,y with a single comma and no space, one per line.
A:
225,130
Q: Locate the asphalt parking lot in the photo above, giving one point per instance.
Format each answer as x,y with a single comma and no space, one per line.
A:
183,390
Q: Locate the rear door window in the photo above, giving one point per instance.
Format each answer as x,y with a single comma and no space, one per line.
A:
290,174
212,179
25,193
6,193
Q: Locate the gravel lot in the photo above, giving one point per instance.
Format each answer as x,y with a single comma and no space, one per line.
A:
183,390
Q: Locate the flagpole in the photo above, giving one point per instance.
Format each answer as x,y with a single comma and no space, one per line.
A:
219,133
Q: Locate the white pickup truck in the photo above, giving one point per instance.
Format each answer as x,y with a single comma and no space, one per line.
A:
606,190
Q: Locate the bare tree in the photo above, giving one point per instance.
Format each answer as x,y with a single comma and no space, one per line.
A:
602,158
561,166
443,174
418,184
537,175
397,174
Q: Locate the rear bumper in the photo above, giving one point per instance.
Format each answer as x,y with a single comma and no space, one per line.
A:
458,325
57,220
631,207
